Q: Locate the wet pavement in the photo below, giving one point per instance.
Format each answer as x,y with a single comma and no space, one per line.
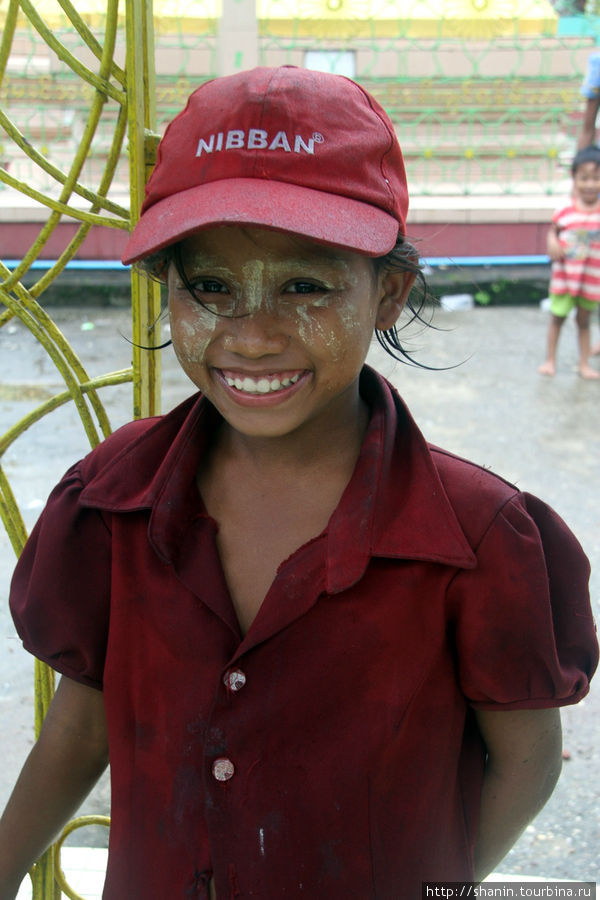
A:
493,407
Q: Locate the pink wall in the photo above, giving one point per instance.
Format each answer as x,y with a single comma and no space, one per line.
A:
100,243
501,239
519,239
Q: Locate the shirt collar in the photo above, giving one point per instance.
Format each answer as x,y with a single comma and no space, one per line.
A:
155,470
394,506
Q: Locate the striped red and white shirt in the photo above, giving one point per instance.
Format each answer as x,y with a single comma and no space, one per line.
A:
578,274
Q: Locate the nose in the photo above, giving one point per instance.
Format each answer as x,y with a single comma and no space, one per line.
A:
256,334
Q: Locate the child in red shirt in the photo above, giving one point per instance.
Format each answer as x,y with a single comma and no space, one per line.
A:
323,657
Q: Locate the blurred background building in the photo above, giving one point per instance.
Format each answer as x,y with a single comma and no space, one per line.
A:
484,95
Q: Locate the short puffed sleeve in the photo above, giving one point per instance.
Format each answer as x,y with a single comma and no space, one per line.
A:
60,591
524,631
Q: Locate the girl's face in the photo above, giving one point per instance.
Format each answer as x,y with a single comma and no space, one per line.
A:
287,329
586,184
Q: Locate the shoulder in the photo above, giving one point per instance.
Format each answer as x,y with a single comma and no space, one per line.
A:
570,216
464,475
123,439
476,494
134,443
490,508
563,214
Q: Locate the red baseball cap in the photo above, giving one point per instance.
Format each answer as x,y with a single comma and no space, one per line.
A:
283,148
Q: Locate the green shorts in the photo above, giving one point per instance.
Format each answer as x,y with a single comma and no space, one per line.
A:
562,304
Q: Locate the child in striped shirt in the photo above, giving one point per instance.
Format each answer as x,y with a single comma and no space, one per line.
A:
574,248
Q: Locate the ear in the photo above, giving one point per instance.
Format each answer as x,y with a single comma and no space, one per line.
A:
395,287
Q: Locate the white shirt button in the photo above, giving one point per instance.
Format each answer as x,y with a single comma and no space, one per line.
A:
223,769
234,679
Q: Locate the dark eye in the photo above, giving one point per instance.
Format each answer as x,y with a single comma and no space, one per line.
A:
208,286
304,287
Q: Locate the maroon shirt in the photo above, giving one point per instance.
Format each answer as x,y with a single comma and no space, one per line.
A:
332,752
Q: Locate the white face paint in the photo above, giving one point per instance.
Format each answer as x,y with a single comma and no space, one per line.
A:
194,332
254,292
312,327
273,328
266,287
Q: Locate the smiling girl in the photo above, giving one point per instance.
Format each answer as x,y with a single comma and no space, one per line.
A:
323,657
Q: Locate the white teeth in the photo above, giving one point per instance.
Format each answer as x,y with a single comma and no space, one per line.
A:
261,385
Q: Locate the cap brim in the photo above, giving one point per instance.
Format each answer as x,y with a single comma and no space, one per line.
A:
327,218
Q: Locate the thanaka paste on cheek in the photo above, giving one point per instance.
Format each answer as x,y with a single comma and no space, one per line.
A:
193,335
311,326
263,290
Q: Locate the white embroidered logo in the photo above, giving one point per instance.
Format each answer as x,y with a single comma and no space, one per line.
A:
257,139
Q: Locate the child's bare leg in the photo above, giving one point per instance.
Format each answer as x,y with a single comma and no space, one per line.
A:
549,366
583,333
595,351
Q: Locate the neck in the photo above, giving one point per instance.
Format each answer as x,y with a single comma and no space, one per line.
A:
306,449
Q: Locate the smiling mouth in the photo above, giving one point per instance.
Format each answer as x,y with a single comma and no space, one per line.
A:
265,384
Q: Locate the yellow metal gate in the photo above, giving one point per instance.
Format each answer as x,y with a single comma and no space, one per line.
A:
123,95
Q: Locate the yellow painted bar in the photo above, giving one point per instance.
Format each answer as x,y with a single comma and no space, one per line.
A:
145,294
79,822
132,90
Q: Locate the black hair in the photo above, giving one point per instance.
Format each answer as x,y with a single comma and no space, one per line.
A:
586,155
403,257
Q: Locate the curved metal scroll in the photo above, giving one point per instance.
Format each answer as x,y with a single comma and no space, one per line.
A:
123,97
